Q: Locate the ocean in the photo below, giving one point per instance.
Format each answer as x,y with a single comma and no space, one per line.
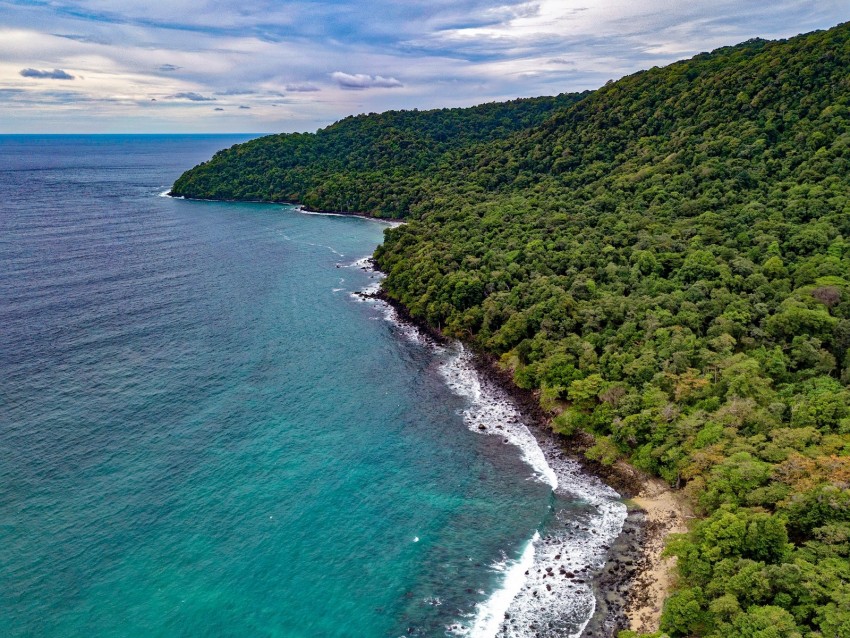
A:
206,431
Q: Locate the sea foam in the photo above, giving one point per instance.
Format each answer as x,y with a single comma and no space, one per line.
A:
555,595
492,411
547,590
389,222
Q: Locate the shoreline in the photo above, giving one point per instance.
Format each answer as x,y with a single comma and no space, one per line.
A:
630,585
381,220
634,581
633,557
303,208
612,582
665,513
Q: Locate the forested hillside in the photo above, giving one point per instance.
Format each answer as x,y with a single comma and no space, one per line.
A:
667,262
382,164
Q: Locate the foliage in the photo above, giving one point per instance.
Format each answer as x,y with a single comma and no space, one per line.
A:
666,260
382,164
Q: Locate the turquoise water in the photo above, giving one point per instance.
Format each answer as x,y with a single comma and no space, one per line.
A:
204,433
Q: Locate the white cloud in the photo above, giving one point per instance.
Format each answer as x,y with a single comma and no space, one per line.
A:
126,53
360,81
302,87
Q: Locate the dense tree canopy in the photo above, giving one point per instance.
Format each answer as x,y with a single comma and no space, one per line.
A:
382,164
666,261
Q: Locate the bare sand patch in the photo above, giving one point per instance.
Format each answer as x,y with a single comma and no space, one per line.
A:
666,513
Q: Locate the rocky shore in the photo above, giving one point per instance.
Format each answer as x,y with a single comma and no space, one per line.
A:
631,587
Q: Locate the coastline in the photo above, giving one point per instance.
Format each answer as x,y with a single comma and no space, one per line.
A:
616,579
302,208
666,513
630,586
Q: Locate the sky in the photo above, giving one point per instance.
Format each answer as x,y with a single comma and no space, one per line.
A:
217,66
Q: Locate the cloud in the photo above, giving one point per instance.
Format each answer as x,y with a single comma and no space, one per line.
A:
218,108
6,94
55,74
360,81
245,107
87,39
303,87
236,92
191,96
445,52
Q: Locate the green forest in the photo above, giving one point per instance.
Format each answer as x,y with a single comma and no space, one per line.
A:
383,164
666,262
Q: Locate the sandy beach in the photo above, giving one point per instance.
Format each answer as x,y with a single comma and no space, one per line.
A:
666,512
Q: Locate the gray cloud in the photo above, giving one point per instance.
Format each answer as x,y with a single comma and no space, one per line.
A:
192,97
10,93
169,67
37,98
45,74
360,81
86,39
218,108
244,107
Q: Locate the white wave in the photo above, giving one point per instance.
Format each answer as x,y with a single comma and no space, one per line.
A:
165,194
364,263
548,589
367,293
556,591
492,411
330,248
388,222
491,613
405,328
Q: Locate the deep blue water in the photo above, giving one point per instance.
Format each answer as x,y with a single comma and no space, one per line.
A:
203,433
